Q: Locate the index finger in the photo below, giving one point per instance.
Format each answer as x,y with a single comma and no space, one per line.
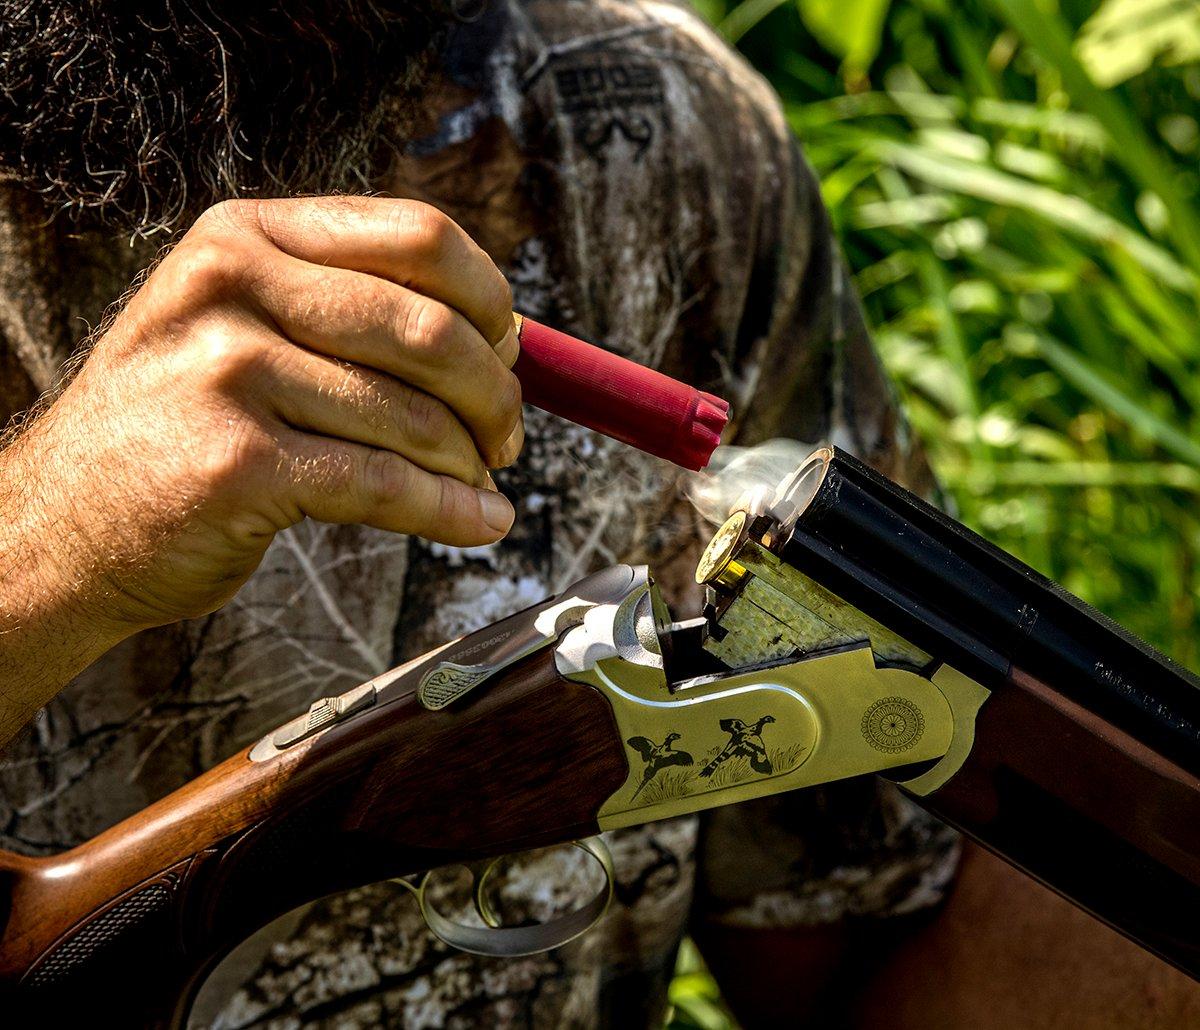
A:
409,243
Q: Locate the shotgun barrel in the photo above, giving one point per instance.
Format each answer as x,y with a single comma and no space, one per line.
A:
1085,759
849,629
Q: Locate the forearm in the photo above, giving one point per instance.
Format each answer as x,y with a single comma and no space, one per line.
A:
51,617
775,977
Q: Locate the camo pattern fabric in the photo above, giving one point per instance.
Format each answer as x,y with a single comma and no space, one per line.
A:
638,184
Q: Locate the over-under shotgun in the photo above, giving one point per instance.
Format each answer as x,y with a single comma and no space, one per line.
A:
849,629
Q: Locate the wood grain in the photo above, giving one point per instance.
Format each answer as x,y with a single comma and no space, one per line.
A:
524,762
1079,804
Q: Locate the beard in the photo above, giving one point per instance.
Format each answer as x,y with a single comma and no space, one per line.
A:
138,116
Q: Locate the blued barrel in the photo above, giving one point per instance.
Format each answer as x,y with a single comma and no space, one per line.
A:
1083,765
953,594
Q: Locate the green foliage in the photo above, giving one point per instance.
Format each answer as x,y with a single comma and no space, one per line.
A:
1026,238
850,29
1124,37
693,996
1015,185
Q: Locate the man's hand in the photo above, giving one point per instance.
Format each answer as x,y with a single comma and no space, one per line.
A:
346,359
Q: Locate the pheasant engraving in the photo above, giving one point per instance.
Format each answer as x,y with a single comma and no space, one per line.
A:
657,757
745,741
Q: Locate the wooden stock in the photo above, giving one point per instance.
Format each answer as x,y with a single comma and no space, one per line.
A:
1095,814
128,923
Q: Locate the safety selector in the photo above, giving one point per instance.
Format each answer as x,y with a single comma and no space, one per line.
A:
324,712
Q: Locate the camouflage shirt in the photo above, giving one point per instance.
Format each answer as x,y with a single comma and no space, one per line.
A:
638,184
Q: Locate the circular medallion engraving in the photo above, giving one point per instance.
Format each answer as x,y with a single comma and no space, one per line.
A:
893,724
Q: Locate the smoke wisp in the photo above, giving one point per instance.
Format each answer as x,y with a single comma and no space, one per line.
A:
748,478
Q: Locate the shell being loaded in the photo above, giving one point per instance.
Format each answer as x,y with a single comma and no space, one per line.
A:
618,397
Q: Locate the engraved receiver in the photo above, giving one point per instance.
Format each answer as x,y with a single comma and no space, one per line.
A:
849,628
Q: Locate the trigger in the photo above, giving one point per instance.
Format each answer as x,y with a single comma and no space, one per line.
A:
513,941
483,903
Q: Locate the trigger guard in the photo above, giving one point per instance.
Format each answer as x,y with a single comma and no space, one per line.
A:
515,941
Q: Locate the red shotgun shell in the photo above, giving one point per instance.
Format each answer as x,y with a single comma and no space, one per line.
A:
618,397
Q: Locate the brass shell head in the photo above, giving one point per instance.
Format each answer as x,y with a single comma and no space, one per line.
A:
716,563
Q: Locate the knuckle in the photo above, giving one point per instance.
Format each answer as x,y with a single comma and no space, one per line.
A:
208,267
227,360
508,401
237,214
497,303
384,479
425,232
427,421
505,296
272,219
468,458
430,329
446,508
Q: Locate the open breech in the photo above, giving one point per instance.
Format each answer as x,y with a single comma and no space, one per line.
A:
849,628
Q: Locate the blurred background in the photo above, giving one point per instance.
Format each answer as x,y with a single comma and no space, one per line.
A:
1016,186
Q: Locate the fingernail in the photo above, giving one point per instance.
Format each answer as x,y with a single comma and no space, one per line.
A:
508,348
512,446
497,512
